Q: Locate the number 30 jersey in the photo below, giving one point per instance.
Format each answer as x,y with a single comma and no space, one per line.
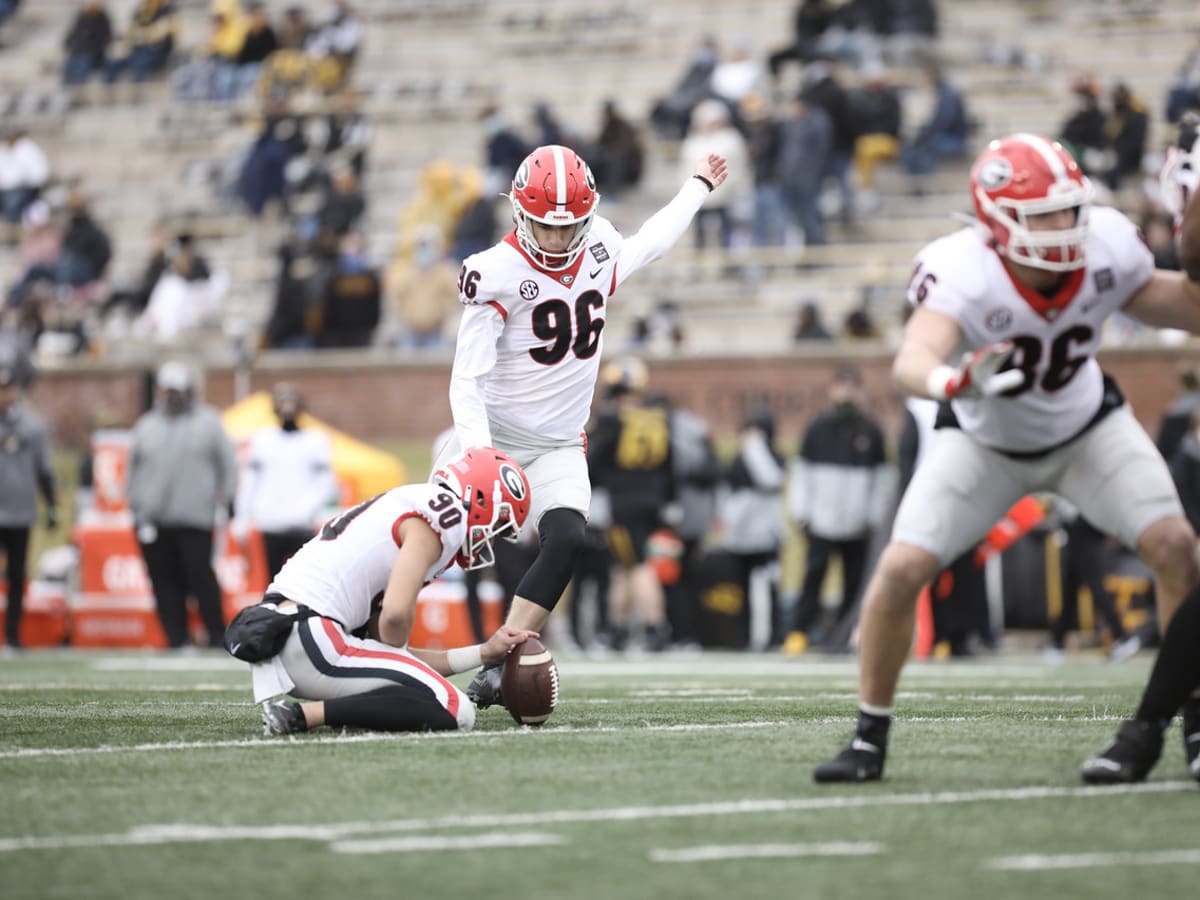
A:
340,571
1055,338
530,340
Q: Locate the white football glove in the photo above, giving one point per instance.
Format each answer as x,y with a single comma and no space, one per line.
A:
977,375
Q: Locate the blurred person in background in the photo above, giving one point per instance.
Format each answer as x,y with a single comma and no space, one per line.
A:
25,470
182,476
352,307
148,42
86,43
24,172
422,297
713,132
287,484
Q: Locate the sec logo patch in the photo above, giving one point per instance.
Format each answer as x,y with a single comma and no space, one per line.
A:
528,290
999,319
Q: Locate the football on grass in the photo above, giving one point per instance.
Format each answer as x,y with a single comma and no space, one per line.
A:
529,683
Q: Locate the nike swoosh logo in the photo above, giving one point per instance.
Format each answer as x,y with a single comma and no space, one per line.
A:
860,744
597,272
233,648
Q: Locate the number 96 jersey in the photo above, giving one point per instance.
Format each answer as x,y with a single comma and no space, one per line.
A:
1054,338
340,571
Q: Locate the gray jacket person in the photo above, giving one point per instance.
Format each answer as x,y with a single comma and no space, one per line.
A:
181,472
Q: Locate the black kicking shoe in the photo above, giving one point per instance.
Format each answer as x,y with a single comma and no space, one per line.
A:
283,717
1191,735
860,761
1130,756
484,689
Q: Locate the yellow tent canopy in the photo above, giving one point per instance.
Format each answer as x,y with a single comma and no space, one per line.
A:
362,470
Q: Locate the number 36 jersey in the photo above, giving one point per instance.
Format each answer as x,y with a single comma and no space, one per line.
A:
340,571
1054,338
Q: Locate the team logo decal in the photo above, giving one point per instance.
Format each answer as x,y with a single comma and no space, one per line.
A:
999,319
522,177
513,481
995,173
599,253
567,279
1103,279
528,289
591,182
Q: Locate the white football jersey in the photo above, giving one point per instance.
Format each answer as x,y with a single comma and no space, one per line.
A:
1055,339
341,570
530,341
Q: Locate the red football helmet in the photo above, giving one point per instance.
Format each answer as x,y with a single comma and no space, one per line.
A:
1026,175
553,186
495,493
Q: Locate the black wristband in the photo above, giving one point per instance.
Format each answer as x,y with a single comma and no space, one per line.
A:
708,184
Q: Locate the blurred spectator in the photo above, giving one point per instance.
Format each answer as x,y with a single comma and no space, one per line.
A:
750,512
1184,91
86,248
769,222
262,177
352,307
344,205
422,294
24,172
1083,131
1178,419
334,46
944,134
661,331
504,148
809,326
1126,129
344,134
211,73
186,294
476,227
41,245
876,109
672,114
305,269
287,484
259,43
812,19
86,43
822,88
549,129
618,156
738,74
133,299
839,493
805,139
149,41
26,468
859,325
713,132
174,516
296,29
437,202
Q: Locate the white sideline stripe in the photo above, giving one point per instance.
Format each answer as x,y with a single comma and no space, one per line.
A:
223,663
1035,862
144,688
184,833
709,852
446,842
278,743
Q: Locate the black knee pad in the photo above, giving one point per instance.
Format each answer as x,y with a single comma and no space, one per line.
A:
561,533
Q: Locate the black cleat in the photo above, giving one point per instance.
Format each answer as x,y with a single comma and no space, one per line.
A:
283,717
1130,756
1191,735
860,761
484,689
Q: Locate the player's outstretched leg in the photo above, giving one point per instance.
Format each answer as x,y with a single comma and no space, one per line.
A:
1130,756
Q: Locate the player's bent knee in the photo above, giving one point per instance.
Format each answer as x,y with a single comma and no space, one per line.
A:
561,532
1169,548
903,570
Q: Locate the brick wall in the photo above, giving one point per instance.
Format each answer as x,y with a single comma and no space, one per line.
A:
408,400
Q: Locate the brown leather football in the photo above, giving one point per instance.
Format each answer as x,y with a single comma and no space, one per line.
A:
529,683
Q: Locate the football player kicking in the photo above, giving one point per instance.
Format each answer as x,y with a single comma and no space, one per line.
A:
345,652
529,348
1026,290
1176,674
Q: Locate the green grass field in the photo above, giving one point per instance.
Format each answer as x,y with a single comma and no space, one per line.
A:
146,776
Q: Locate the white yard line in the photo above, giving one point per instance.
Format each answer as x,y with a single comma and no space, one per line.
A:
425,844
185,833
712,852
1035,862
144,688
284,743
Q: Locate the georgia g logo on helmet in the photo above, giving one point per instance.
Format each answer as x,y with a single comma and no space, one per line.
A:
513,481
995,173
521,179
